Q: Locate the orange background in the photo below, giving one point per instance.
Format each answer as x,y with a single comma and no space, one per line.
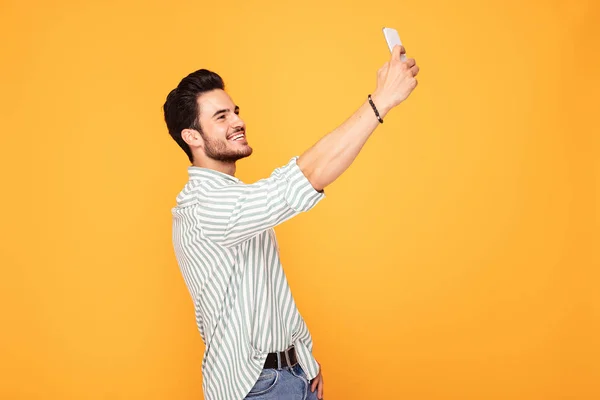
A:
456,259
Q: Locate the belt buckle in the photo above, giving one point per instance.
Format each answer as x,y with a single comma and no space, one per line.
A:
287,355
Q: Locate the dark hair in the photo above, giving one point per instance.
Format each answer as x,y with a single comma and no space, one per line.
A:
181,107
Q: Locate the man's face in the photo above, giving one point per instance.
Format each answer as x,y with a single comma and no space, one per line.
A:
223,131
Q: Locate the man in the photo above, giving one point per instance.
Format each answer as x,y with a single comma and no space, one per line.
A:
257,344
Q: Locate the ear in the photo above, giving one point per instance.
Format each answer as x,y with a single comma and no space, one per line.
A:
192,137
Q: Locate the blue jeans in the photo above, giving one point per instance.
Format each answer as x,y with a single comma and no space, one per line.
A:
288,383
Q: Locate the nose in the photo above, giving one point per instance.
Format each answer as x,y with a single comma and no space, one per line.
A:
237,121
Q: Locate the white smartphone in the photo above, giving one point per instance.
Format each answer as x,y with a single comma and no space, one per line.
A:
392,38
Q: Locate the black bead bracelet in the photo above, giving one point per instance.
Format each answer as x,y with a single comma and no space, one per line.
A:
375,109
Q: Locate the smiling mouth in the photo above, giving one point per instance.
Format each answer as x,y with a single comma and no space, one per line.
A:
237,136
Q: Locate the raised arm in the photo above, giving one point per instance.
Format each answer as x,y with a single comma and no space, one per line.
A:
325,161
232,214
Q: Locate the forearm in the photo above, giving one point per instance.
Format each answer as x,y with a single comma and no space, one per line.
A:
325,161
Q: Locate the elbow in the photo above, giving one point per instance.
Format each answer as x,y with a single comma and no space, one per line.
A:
314,174
318,186
316,179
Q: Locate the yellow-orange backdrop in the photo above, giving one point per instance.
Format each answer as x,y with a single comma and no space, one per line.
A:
456,259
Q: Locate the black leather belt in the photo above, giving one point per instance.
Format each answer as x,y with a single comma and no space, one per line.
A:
286,358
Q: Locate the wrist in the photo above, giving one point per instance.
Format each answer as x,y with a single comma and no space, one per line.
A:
382,106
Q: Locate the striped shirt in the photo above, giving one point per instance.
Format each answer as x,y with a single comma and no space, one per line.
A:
228,255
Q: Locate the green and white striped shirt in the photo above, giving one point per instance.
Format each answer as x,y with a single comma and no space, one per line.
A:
227,251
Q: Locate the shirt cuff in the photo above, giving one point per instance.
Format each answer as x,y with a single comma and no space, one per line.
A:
300,194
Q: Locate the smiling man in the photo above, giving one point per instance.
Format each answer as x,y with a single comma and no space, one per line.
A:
257,343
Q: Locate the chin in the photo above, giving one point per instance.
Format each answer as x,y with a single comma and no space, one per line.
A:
247,152
242,153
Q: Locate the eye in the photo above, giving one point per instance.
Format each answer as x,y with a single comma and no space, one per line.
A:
221,117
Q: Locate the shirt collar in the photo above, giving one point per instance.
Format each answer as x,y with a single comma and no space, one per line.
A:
207,173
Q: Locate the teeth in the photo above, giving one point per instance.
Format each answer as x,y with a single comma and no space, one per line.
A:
237,137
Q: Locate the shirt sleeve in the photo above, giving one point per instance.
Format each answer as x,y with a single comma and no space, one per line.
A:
231,214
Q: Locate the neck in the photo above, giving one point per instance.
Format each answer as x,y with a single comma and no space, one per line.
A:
221,166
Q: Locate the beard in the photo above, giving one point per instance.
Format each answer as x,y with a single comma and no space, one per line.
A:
219,150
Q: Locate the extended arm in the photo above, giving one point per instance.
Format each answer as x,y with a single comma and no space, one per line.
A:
325,161
232,214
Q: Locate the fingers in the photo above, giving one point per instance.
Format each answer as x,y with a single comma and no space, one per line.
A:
315,383
412,65
396,80
320,390
397,51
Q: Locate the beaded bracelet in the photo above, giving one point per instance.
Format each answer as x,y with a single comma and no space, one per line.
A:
375,109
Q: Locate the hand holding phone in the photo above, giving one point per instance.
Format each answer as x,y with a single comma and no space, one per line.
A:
396,79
